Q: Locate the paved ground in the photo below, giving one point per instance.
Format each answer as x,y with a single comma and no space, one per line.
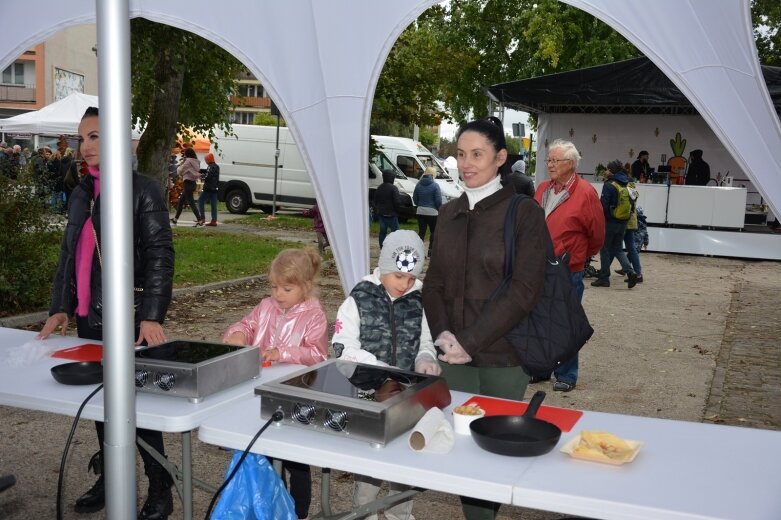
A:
698,341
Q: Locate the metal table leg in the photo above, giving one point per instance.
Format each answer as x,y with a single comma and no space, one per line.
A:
372,507
183,479
187,475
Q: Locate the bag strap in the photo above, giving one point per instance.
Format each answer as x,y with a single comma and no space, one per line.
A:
509,245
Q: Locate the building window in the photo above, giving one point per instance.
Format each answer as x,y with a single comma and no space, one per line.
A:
250,90
242,118
14,74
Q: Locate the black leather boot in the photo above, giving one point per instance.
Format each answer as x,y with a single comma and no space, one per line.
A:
159,502
94,499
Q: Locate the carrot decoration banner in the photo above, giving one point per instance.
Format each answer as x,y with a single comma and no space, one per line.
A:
678,162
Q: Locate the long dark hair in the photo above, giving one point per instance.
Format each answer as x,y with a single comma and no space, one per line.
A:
189,152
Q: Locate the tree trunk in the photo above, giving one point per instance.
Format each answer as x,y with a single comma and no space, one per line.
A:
154,147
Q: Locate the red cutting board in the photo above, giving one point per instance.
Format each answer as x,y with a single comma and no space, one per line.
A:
85,352
561,417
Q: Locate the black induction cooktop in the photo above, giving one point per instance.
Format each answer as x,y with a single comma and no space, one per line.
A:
183,351
348,379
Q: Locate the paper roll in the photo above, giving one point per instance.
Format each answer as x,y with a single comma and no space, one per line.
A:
433,433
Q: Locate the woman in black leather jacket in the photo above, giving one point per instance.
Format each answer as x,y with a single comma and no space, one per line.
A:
78,292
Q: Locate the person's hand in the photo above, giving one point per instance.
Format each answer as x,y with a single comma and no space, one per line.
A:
426,365
452,351
151,332
59,319
271,354
237,338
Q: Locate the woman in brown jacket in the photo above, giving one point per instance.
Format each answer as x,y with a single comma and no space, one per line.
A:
467,263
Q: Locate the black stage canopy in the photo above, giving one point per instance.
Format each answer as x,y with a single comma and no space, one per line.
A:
634,86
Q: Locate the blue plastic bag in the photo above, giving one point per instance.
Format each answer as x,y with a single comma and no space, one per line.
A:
255,493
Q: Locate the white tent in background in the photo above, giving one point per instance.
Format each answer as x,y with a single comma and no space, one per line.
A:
60,117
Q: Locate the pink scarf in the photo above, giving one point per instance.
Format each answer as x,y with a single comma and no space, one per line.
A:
85,250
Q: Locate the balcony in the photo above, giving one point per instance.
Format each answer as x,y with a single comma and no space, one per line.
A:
251,101
17,94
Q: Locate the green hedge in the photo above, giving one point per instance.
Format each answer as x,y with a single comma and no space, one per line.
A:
29,245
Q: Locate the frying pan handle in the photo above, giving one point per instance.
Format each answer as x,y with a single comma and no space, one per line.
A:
534,404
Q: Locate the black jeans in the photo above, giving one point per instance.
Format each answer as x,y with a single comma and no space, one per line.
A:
151,437
300,478
187,195
426,221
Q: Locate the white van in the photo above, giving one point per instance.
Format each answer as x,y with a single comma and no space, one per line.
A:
246,161
413,158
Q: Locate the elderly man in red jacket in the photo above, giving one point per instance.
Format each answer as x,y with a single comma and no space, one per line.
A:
576,224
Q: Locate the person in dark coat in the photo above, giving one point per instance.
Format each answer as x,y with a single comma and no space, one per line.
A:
699,171
427,198
78,294
387,200
518,178
211,185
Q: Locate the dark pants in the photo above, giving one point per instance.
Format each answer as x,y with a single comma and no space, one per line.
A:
613,248
426,221
151,437
505,383
632,254
187,195
211,196
385,223
298,478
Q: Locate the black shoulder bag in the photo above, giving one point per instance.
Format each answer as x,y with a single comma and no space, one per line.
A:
557,327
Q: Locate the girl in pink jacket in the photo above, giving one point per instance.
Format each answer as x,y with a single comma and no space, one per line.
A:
289,327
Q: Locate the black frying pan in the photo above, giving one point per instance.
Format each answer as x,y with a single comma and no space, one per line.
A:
79,373
516,435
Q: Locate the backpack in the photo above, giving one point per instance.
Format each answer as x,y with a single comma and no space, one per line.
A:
625,206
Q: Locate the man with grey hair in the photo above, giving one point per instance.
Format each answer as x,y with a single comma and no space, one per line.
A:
576,225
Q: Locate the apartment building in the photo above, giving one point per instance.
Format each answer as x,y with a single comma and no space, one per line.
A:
51,70
250,100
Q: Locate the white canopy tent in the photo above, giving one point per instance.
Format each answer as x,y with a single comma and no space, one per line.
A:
320,62
60,117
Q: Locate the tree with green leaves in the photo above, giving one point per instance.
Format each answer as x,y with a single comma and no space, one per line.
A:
410,84
180,82
506,40
766,18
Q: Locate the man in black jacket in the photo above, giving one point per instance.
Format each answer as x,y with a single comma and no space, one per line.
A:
387,200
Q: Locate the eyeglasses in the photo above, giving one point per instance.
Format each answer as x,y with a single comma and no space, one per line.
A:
556,161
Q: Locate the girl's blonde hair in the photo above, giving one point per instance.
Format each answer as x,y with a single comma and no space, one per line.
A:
296,267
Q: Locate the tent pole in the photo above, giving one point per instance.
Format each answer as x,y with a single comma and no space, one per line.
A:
119,447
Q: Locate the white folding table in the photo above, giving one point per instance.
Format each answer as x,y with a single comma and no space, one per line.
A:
466,470
685,470
31,386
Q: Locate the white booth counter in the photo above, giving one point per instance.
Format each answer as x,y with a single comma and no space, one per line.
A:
707,206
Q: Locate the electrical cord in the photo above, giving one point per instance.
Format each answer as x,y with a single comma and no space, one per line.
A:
275,417
67,448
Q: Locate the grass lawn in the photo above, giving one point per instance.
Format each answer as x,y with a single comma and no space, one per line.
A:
206,256
296,221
